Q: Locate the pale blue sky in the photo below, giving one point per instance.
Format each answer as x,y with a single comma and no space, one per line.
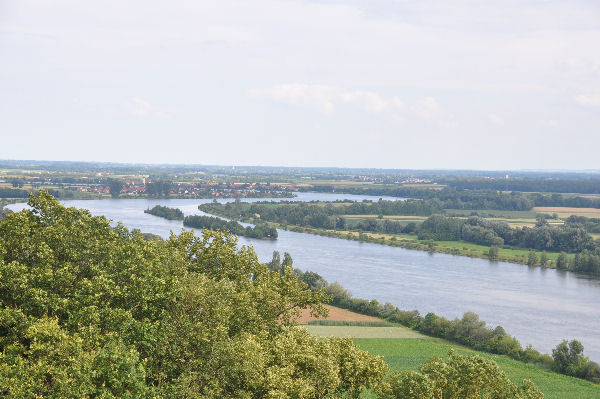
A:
394,84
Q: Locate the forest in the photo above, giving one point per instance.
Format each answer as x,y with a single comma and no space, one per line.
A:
260,230
165,212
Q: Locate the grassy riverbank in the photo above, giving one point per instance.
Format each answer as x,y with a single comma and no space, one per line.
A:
461,248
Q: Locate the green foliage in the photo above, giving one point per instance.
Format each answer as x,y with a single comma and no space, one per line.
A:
568,359
457,377
493,252
115,187
569,238
165,212
531,258
87,310
544,258
562,261
214,223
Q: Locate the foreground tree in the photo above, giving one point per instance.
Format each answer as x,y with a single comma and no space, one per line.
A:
457,377
87,310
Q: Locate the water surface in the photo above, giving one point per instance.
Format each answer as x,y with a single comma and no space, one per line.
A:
539,306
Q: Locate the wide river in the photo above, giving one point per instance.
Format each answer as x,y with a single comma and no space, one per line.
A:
538,306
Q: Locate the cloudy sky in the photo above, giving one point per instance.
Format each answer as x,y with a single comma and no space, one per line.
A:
353,83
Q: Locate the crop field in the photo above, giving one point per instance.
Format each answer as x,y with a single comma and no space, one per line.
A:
565,212
336,314
363,332
492,213
409,354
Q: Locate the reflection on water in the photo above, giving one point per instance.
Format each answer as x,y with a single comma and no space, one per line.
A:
538,306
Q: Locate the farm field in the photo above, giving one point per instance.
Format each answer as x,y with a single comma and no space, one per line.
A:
492,213
336,314
564,212
409,354
363,332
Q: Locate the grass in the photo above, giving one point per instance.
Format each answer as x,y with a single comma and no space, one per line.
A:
363,332
351,323
565,212
492,213
409,354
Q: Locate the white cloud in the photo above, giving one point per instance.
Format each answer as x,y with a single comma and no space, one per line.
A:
317,97
143,109
496,120
325,98
428,109
373,102
588,100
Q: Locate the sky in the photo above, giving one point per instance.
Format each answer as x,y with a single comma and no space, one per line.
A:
348,83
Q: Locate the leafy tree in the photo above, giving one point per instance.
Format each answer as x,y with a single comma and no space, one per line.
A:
493,252
531,258
17,183
544,258
115,187
275,263
562,261
568,358
90,310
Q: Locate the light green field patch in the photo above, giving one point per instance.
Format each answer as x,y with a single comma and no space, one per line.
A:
409,354
363,332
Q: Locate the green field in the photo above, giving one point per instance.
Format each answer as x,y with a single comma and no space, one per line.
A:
409,354
492,213
363,332
405,349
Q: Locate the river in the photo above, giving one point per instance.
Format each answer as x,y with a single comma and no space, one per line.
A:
538,306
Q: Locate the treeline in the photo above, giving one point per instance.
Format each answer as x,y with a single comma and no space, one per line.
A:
166,212
582,186
591,225
13,193
571,237
542,236
213,223
19,193
567,358
450,198
583,262
159,188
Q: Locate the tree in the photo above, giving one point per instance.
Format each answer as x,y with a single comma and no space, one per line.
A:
115,187
90,310
531,258
544,258
493,252
17,183
568,357
562,261
275,263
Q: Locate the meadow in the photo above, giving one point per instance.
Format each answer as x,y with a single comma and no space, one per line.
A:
406,349
409,354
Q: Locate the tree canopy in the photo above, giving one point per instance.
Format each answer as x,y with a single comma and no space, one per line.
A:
90,310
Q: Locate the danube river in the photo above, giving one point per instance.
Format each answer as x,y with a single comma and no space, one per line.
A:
538,306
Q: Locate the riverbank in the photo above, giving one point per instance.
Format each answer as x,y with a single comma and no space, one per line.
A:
407,241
